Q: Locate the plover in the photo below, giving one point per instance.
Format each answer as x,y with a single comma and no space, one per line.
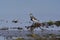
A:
33,18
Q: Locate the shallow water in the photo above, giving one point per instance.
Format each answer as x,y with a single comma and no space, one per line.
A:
22,33
1,38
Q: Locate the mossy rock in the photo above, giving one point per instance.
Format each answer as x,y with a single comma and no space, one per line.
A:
31,35
41,38
50,23
20,39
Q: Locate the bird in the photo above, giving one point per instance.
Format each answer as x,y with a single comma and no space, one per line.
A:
32,18
15,21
